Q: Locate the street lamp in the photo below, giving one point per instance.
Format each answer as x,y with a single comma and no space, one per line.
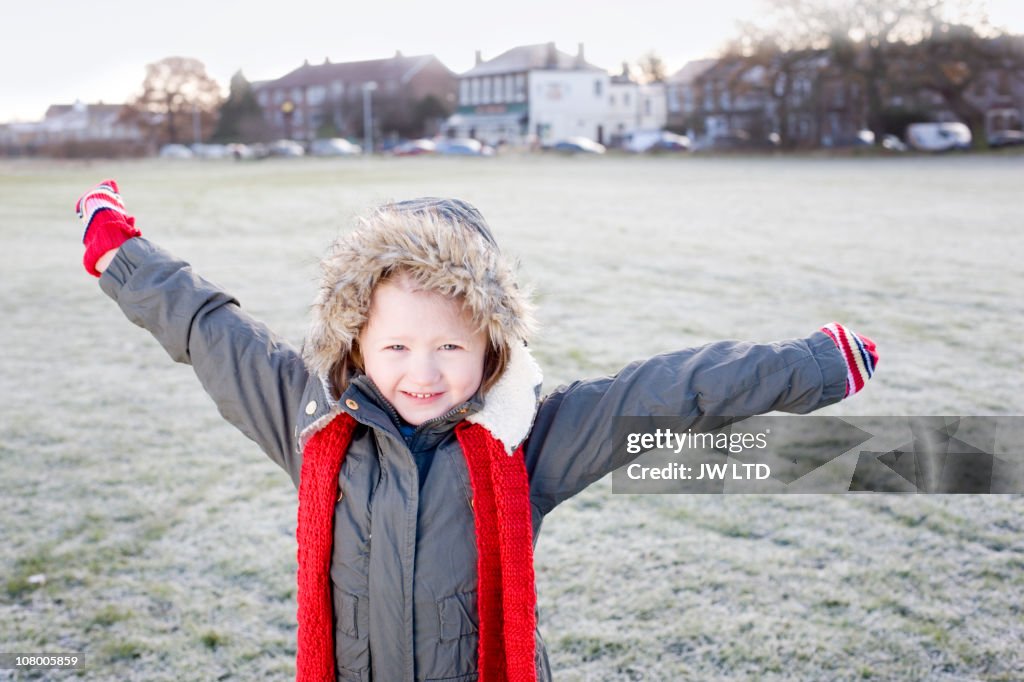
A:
367,117
288,110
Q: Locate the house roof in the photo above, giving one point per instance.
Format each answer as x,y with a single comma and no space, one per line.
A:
398,68
529,58
91,109
691,71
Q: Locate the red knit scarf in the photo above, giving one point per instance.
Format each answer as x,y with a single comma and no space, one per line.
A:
506,596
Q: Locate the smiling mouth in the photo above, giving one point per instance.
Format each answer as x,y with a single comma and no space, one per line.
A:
421,396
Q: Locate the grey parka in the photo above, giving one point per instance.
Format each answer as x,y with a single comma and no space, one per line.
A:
404,563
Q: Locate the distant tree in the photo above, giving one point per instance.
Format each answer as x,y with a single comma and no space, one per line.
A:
426,114
175,92
861,37
241,117
652,68
953,60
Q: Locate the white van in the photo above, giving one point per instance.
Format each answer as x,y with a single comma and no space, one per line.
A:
938,137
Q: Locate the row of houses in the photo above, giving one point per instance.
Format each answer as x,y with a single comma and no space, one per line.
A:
538,94
531,92
822,106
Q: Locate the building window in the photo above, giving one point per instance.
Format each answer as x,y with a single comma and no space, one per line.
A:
485,90
337,88
278,96
647,106
625,99
510,93
474,91
611,100
263,98
1003,83
597,88
296,95
315,95
520,87
464,92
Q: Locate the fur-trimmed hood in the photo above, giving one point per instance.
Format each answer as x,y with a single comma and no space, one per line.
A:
445,245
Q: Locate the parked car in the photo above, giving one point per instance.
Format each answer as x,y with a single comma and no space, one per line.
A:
334,146
671,142
656,141
860,138
209,151
1005,138
286,148
938,137
240,151
893,143
414,148
730,142
463,146
175,151
577,145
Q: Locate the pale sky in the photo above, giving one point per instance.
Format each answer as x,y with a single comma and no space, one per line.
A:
60,51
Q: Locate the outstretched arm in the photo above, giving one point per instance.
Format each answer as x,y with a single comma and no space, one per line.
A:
255,378
571,444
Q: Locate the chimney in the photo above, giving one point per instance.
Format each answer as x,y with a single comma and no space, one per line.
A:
625,69
580,61
398,54
327,60
479,58
305,62
551,61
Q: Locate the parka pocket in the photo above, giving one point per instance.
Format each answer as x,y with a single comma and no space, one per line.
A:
351,651
348,615
457,615
453,656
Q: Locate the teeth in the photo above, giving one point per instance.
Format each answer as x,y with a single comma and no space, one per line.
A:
420,395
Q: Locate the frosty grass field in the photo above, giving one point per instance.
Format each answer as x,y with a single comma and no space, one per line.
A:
167,539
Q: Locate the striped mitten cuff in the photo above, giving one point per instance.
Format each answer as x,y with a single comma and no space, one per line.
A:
107,225
858,351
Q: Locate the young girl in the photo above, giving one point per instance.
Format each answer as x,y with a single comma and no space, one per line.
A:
412,426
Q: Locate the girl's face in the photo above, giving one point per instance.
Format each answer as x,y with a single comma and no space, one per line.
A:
421,350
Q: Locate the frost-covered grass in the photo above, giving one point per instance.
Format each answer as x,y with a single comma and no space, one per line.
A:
167,539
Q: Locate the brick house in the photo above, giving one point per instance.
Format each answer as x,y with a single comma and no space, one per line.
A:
411,95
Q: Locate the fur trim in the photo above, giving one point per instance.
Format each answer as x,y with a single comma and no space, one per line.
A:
510,405
446,247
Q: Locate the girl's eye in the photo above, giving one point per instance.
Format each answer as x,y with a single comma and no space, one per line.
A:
450,346
396,346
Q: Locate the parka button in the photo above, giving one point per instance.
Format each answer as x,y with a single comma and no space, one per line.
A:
311,407
351,404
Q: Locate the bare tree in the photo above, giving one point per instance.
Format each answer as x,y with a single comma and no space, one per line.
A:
953,60
860,37
652,68
177,93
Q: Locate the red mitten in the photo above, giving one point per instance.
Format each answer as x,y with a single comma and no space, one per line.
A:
858,351
107,225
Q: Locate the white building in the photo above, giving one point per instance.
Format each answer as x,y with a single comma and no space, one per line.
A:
568,104
634,107
532,93
538,94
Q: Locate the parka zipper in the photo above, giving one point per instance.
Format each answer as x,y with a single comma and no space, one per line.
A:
396,419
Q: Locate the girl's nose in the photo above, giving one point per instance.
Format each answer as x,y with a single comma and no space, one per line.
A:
424,370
